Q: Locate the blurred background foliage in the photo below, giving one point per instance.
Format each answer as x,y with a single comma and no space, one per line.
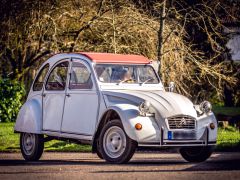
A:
186,36
11,95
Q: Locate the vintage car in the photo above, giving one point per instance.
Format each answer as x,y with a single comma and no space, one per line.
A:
115,103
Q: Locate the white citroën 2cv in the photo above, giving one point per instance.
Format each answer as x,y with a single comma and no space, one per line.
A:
114,102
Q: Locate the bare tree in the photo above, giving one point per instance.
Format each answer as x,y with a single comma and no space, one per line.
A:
181,58
122,27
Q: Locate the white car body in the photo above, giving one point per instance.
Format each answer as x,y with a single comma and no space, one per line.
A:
81,114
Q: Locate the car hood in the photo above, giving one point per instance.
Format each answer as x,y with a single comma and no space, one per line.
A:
167,104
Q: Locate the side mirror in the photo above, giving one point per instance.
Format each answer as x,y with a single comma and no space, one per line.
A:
171,86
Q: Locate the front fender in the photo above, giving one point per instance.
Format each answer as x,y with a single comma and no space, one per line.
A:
30,117
129,116
203,122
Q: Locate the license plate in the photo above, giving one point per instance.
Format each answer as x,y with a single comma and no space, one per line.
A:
169,135
181,135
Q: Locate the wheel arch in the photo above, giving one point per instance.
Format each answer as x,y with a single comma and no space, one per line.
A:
108,115
123,112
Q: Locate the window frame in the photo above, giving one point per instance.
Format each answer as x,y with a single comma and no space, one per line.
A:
76,60
135,83
38,75
51,70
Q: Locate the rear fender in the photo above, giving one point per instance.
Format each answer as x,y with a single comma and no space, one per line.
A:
30,116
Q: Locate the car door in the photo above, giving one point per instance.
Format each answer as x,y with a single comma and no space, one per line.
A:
81,104
54,97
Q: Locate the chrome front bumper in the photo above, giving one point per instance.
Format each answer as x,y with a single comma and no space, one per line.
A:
203,141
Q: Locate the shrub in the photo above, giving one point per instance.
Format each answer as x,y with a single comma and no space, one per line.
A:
11,96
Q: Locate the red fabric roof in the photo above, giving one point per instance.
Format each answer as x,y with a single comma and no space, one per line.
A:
116,58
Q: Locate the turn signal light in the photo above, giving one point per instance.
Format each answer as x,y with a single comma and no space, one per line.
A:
138,126
212,125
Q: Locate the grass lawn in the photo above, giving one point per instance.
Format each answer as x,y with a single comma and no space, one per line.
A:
228,140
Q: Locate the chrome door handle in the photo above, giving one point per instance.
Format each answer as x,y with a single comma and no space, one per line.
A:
43,95
68,95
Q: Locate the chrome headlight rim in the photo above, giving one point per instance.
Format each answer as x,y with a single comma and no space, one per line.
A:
144,108
205,107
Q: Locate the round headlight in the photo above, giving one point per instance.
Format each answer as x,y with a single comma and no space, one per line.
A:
144,107
205,107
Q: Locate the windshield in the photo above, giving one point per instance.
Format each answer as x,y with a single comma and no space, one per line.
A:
109,73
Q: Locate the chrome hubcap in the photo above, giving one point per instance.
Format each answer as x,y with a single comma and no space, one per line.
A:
28,143
114,142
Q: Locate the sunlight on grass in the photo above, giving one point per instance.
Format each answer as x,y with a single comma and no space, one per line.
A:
56,145
228,138
9,141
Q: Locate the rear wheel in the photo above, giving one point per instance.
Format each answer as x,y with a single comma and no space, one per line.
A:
32,146
115,146
196,154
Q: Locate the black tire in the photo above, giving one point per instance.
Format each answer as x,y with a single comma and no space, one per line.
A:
99,154
128,149
31,151
196,154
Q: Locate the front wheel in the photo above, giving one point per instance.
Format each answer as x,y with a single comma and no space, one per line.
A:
99,154
32,146
196,154
115,146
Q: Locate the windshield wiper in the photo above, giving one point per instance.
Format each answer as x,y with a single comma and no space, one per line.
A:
149,79
125,81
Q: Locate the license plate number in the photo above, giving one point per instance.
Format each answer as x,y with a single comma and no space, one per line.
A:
180,135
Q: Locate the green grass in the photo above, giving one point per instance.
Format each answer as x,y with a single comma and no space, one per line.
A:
228,140
229,137
9,142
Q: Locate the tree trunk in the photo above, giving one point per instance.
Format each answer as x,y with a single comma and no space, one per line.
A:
162,18
228,96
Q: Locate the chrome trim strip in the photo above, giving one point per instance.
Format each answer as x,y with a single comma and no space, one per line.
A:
66,135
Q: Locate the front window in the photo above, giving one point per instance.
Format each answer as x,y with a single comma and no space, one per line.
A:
58,76
109,73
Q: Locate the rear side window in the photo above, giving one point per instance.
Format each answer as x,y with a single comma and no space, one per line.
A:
80,77
38,84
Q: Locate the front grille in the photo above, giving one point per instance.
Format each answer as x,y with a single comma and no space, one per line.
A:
181,122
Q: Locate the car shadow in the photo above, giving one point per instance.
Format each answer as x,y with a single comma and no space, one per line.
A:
213,164
49,162
225,165
87,162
